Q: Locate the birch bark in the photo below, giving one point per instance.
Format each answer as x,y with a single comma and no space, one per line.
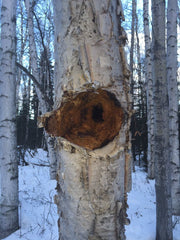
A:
8,156
149,90
132,68
91,183
173,104
161,126
134,5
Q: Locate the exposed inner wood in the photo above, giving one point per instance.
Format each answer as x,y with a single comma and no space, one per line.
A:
91,119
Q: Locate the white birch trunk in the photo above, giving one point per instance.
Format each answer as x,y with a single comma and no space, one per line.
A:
23,40
173,104
132,44
43,105
91,183
33,52
161,125
132,68
149,90
8,156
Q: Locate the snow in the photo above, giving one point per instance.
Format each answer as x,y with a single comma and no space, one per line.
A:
142,209
38,213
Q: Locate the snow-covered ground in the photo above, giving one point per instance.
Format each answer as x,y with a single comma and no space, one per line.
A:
38,214
142,209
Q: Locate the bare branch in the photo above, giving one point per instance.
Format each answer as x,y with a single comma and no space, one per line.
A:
38,85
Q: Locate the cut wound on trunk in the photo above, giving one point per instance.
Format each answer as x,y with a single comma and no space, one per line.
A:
91,119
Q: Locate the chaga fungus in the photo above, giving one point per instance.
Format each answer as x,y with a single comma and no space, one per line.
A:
91,119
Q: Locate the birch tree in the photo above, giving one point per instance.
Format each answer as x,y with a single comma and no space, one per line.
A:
161,126
91,120
149,89
173,103
8,156
134,6
132,66
44,105
21,35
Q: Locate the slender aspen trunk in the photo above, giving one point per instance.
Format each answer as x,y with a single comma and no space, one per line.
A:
92,120
173,104
149,90
8,157
161,126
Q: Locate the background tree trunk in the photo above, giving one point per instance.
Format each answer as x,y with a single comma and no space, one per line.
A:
161,123
149,90
8,156
44,106
173,103
134,5
92,180
132,69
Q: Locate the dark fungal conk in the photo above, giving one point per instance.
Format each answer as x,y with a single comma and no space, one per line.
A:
91,119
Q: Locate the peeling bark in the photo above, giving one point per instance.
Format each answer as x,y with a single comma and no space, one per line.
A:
92,92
